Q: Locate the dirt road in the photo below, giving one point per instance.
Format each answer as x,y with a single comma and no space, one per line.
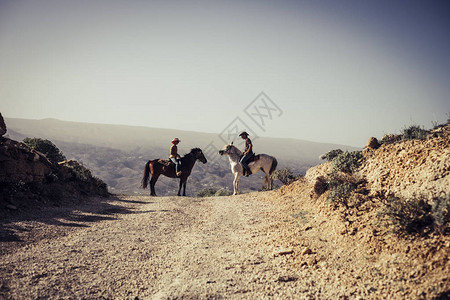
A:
271,245
149,248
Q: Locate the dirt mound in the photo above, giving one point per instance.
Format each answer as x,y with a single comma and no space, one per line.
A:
350,246
410,169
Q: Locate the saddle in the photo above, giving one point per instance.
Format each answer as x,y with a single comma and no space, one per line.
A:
165,162
252,158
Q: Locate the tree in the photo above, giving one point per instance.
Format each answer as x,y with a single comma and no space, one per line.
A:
46,147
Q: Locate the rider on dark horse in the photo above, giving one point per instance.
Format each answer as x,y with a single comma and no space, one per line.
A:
248,153
174,156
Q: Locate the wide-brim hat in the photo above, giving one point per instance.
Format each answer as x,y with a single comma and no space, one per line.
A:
244,133
176,140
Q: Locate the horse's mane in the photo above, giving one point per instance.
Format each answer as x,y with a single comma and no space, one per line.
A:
235,147
192,151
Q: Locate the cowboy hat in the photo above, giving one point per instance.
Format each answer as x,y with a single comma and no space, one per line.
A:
244,133
176,140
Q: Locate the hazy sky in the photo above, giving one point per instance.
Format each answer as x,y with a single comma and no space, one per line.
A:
338,71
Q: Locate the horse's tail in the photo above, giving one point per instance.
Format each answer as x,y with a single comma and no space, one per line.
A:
144,182
273,166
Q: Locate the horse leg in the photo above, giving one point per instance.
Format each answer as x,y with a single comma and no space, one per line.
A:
181,185
268,181
184,188
152,184
236,184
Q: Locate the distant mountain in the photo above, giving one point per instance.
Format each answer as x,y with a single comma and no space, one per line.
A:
117,153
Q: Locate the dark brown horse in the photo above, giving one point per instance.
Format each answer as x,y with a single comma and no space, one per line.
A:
157,167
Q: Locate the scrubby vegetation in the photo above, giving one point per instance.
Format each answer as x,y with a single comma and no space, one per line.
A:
440,211
46,147
285,175
416,216
348,162
340,181
340,191
213,192
406,216
414,132
331,154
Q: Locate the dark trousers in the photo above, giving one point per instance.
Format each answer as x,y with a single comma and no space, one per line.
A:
176,161
244,160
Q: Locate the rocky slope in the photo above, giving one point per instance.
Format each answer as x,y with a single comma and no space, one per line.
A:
29,179
407,262
412,168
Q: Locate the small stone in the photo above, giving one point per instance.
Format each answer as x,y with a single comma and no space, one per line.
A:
306,251
283,251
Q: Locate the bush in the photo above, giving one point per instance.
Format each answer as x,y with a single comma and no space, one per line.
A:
414,133
212,192
347,162
321,185
46,147
390,139
340,192
223,192
80,172
285,176
330,155
407,216
440,211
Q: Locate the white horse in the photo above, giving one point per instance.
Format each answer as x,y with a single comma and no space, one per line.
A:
264,162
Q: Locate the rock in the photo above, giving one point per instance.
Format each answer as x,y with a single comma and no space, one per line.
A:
372,144
2,125
282,251
287,278
306,251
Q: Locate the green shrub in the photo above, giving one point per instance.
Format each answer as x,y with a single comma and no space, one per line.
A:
414,132
347,162
330,155
80,172
406,216
207,192
222,192
321,185
390,139
286,176
440,211
340,192
213,192
46,147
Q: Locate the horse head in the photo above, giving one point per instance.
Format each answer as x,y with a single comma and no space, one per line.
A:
198,154
228,149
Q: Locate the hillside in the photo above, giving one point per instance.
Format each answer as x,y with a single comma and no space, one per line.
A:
117,154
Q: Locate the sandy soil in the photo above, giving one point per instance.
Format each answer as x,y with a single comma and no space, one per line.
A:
143,247
253,246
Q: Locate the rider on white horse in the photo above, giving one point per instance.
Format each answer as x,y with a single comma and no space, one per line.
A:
248,153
